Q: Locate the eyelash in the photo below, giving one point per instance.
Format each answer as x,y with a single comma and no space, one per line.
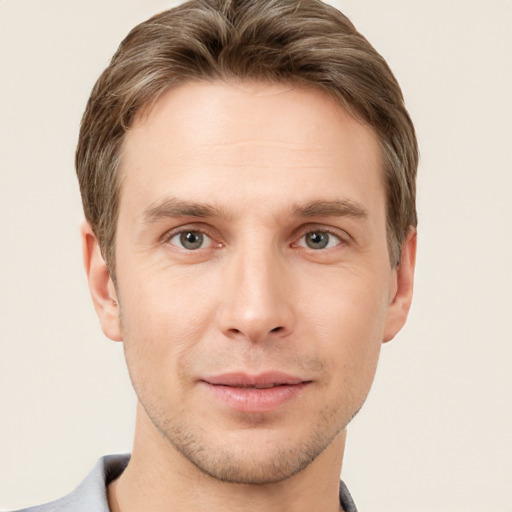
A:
185,230
342,239
331,233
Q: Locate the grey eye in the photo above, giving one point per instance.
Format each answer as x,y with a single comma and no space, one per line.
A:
190,240
317,240
320,240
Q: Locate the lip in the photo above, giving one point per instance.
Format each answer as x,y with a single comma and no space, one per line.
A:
263,392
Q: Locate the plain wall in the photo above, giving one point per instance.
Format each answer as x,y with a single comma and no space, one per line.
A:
436,432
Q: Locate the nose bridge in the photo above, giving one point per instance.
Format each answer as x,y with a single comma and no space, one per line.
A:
256,295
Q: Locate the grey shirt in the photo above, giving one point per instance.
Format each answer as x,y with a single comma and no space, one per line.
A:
91,494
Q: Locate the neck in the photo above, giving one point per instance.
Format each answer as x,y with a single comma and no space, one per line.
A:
158,478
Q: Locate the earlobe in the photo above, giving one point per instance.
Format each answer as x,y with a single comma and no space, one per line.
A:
102,288
400,302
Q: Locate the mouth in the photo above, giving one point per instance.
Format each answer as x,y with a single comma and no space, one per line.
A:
255,393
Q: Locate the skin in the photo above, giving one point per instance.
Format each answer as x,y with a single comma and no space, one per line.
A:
271,170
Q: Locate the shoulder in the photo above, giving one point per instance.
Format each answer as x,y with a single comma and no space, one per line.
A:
91,494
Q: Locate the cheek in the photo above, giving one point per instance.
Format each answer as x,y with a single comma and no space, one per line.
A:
346,304
171,300
162,322
347,321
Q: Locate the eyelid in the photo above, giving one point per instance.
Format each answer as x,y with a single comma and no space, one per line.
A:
193,227
339,233
206,241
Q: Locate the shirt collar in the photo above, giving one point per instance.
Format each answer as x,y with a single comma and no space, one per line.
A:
91,494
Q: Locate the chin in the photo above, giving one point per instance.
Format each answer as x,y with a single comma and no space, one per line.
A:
253,467
254,456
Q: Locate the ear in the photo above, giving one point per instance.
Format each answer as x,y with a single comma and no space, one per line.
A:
401,288
102,288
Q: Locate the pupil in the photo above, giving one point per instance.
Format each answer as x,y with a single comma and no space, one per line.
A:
191,240
317,240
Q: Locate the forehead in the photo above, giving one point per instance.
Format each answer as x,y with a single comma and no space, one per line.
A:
237,141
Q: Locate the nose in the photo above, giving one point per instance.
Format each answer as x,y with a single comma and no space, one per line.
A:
257,297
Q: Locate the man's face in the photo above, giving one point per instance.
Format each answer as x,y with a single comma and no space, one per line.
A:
253,276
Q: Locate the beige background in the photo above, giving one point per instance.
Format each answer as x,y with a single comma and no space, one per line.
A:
436,433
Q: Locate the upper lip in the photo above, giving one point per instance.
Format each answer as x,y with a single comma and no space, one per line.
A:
261,380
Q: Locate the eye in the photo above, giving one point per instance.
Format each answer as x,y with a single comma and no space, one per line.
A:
318,240
191,240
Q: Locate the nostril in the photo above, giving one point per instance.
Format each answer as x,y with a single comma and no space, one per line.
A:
254,335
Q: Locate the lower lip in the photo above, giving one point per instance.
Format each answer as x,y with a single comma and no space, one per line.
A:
256,400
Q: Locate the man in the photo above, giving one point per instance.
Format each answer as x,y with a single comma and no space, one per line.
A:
247,170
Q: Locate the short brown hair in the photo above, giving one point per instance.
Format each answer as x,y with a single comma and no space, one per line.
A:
299,41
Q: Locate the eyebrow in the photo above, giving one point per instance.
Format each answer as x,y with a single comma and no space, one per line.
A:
175,208
337,208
